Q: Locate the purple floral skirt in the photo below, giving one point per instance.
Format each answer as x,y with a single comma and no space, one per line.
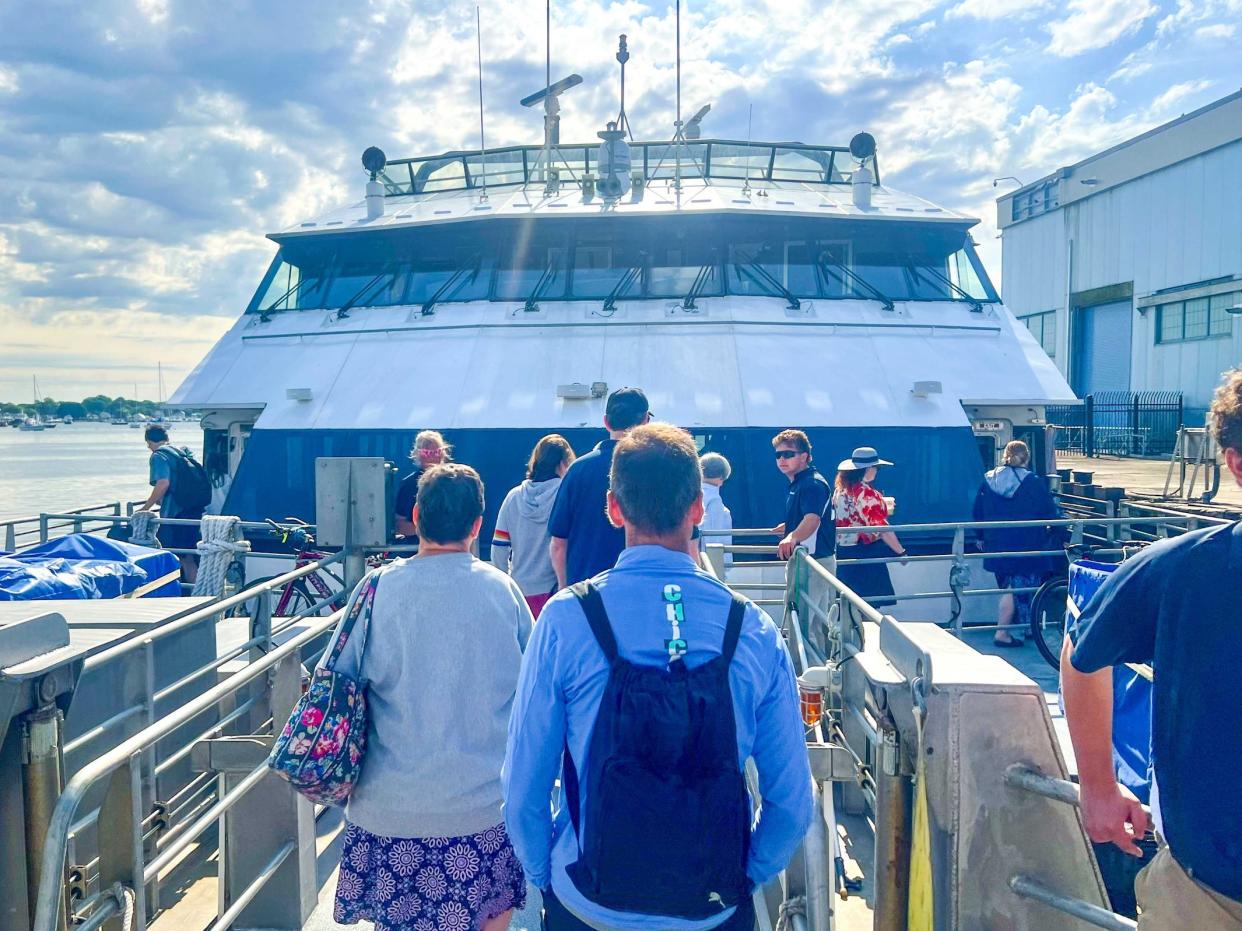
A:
428,883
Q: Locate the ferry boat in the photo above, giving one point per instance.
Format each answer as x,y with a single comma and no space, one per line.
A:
500,294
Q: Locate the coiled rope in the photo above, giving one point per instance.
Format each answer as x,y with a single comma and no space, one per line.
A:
220,542
789,908
142,529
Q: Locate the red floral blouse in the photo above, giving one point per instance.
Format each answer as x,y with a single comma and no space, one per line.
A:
863,507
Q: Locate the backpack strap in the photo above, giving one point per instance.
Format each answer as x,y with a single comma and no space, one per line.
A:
593,607
733,628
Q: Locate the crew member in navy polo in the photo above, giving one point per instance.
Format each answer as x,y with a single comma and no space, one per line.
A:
1178,606
807,522
583,542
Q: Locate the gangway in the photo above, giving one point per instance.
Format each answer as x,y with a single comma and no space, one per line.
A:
938,766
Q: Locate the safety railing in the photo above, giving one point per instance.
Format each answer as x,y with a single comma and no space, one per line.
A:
168,826
27,531
127,865
1026,779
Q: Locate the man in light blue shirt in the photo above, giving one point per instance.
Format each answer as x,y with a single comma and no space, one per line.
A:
656,496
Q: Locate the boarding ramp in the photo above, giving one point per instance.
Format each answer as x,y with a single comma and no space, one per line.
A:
945,758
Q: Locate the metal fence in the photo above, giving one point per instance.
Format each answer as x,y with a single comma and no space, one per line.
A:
1119,423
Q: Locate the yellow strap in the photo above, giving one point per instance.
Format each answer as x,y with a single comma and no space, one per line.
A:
920,915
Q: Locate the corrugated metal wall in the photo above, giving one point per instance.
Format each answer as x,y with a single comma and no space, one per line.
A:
1173,227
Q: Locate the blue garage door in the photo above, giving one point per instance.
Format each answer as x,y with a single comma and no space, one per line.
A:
1102,351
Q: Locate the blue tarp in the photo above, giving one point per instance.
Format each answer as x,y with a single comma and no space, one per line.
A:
1132,694
81,566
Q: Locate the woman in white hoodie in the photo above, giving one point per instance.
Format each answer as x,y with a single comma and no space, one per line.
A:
520,541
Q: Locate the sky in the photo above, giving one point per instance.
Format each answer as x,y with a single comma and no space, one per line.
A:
147,146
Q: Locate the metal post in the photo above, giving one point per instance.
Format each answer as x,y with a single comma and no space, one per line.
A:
10,537
1088,430
41,785
266,819
42,528
893,794
150,781
957,572
817,863
120,839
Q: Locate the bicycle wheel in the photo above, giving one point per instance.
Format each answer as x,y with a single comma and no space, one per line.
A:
1048,619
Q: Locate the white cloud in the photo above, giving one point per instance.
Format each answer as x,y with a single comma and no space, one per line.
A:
1093,24
997,9
8,80
1170,99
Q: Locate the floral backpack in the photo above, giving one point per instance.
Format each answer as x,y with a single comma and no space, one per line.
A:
320,750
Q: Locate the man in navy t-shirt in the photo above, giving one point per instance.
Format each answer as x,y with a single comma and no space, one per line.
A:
1177,606
584,542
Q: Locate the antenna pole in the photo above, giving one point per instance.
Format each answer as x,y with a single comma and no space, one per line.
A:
478,35
547,43
750,115
677,136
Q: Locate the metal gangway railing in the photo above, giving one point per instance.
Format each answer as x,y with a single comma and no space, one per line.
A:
137,837
901,704
892,692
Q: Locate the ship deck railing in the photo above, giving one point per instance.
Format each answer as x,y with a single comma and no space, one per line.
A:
265,833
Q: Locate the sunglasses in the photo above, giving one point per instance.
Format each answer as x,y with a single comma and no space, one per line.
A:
787,453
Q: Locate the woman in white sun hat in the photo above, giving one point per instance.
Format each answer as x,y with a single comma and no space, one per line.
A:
857,504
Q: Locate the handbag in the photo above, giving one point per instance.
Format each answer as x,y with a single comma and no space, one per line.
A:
320,750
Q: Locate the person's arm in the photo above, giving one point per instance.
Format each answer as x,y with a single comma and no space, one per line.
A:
784,773
557,549
161,481
807,528
1107,806
533,753
560,523
403,508
1117,626
502,544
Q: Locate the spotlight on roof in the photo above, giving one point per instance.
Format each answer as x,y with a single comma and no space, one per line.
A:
374,160
862,146
694,127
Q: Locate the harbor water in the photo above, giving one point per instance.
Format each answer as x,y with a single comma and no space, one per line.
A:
75,465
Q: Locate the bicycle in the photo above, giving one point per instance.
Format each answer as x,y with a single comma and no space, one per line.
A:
298,597
1050,604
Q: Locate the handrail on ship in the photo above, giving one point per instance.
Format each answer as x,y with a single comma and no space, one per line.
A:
1017,775
50,898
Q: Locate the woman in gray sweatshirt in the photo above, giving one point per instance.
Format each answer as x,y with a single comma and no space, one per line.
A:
425,843
520,540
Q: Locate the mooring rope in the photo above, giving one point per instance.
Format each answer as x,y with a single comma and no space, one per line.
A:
142,529
220,542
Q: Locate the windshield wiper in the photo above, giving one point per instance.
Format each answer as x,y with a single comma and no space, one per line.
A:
549,273
976,305
854,279
700,285
265,313
623,285
364,291
452,283
761,276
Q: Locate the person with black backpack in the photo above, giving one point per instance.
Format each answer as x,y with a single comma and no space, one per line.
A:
646,688
180,486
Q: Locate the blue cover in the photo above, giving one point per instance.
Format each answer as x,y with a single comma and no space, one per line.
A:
81,566
1132,694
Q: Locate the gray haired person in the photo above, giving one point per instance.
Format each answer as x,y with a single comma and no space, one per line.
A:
716,514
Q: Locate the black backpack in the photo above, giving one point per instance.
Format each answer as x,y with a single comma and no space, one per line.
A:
190,485
667,816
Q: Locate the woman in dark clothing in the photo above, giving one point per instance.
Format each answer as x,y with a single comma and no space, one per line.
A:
856,504
1013,492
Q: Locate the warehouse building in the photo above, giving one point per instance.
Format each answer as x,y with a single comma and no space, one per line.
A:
1127,266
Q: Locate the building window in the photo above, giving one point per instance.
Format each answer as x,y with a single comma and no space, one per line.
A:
1200,318
1044,328
1036,200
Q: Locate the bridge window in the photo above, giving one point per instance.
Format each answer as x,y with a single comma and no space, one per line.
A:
647,258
